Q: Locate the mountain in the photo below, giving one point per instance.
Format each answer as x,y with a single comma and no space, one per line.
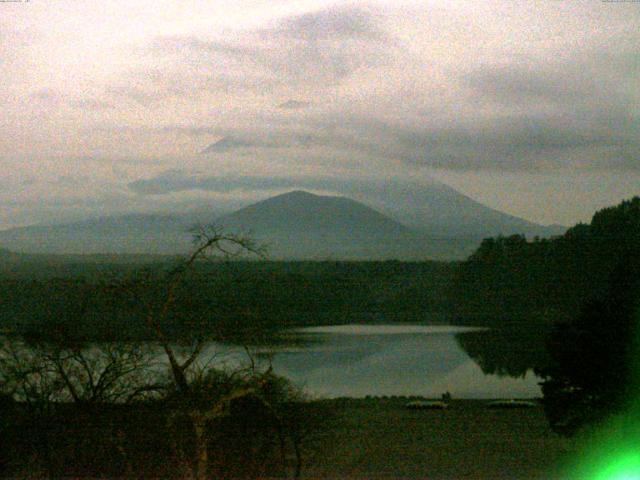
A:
394,220
132,233
301,213
440,211
227,143
302,225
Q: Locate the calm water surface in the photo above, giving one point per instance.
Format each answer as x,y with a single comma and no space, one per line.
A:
360,360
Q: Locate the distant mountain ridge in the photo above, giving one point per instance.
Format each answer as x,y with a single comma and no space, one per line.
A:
301,225
438,210
303,213
130,233
410,223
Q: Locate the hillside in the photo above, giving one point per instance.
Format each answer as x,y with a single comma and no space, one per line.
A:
548,279
300,225
403,221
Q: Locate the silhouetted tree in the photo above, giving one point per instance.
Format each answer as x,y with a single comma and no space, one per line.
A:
523,288
203,395
198,405
591,375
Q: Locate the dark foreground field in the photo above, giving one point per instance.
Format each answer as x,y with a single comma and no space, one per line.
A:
379,438
356,438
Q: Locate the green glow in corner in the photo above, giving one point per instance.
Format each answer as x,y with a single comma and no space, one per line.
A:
625,467
613,450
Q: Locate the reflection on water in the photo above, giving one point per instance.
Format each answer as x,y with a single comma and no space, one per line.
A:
506,351
360,360
355,329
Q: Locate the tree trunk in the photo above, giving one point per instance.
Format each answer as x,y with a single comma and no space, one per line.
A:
298,449
202,454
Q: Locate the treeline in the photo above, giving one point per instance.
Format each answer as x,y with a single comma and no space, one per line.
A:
95,302
510,280
526,289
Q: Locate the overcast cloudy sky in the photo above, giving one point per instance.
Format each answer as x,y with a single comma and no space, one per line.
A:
531,107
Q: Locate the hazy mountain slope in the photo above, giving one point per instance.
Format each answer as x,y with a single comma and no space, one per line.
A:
400,220
296,225
135,233
441,211
301,225
301,213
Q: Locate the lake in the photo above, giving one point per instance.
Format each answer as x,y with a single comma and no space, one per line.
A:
377,360
361,360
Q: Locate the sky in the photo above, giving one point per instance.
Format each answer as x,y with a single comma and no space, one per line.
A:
532,108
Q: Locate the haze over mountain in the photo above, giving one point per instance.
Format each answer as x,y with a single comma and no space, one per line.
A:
409,223
438,210
283,92
132,233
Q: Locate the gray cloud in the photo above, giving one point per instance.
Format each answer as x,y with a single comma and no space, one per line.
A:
591,80
559,110
511,85
92,104
325,46
499,143
179,44
227,144
194,131
381,191
515,142
536,116
178,180
145,94
46,96
532,115
294,105
322,47
266,139
341,23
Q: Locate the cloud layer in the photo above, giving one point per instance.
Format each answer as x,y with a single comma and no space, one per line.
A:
243,98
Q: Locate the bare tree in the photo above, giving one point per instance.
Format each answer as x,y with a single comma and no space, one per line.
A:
209,241
201,400
47,372
45,377
201,393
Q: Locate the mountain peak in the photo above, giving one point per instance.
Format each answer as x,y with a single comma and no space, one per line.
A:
298,193
226,144
299,213
409,221
303,195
